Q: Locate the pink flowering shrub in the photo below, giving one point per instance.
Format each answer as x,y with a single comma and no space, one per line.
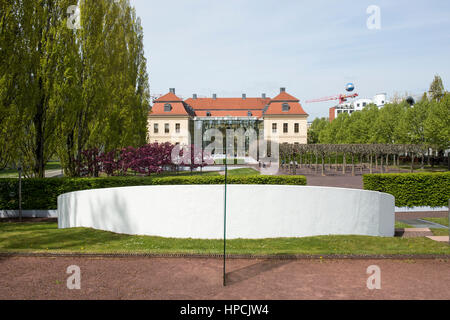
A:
146,160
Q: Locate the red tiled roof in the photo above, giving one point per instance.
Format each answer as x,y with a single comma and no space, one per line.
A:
229,113
178,106
276,105
178,109
170,97
223,107
228,103
285,97
276,108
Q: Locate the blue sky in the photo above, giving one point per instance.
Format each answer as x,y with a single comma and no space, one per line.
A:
313,48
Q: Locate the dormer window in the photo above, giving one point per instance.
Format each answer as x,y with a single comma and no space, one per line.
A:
208,114
167,107
249,114
286,107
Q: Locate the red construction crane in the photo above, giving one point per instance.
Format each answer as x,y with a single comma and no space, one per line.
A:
341,97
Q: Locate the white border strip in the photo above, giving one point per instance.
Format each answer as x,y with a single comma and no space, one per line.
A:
420,209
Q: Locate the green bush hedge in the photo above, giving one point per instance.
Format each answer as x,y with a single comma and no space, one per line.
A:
412,189
42,194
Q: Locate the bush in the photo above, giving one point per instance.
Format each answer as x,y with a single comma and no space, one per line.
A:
42,194
412,189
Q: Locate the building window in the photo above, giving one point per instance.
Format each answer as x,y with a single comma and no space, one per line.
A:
286,107
285,128
249,114
167,107
364,104
177,128
274,128
296,128
208,114
155,128
167,128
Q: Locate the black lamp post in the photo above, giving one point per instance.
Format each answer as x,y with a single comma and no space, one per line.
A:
225,216
20,190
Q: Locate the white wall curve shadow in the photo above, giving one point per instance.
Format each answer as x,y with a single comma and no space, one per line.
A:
254,211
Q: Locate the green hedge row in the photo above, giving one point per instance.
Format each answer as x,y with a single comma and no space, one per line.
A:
412,189
42,194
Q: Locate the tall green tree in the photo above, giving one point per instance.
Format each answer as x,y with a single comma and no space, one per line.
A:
437,90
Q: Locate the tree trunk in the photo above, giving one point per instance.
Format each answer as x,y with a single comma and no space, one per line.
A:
371,164
353,165
381,164
412,163
317,163
344,163
323,165
387,163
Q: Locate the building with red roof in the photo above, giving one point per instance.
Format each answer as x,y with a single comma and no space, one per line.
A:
172,119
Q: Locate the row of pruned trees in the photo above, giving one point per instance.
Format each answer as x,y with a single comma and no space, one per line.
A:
343,155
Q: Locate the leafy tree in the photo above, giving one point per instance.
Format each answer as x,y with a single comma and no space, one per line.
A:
437,124
437,88
317,126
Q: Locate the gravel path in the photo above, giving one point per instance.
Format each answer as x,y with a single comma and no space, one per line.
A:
161,278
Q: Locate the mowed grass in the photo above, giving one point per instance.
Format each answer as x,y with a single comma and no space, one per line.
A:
46,237
401,225
442,221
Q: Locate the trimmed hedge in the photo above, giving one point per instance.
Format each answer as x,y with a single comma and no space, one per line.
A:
412,189
42,194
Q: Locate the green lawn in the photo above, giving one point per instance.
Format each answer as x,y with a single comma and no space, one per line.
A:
442,221
12,173
45,237
243,172
401,225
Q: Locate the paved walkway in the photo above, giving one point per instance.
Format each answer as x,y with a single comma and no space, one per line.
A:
161,278
419,223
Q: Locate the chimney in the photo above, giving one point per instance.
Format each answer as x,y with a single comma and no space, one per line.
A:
172,90
282,90
215,96
194,96
264,96
244,96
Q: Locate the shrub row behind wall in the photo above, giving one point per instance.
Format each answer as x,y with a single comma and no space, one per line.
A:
412,189
42,194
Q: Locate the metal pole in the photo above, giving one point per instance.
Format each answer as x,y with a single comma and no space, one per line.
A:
20,192
225,223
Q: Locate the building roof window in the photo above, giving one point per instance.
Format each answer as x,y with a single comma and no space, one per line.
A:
208,114
167,107
250,114
286,107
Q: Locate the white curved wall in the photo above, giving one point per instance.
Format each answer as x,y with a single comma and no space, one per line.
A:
254,211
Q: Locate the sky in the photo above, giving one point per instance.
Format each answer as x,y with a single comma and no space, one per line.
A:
313,48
